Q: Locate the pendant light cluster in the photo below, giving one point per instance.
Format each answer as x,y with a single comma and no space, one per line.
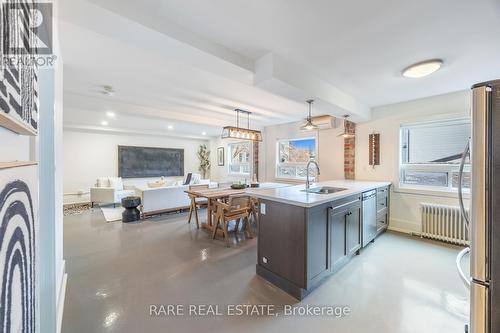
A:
309,126
231,132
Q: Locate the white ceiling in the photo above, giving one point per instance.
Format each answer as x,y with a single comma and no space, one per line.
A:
192,62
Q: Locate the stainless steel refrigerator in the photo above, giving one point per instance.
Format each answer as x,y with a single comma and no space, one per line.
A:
484,216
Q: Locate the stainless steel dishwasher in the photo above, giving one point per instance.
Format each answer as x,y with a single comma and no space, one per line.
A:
369,215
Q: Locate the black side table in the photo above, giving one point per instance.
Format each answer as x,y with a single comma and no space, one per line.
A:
131,213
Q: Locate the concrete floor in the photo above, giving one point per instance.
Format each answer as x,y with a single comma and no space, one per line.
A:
116,271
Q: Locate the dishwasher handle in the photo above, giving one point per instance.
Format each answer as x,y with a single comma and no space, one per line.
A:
369,195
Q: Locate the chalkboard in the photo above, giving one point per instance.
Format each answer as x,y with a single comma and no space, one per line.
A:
143,162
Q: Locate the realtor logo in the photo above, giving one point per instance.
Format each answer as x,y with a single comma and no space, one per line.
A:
28,29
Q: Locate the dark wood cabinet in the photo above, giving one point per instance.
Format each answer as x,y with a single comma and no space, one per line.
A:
299,246
337,236
318,240
353,230
345,230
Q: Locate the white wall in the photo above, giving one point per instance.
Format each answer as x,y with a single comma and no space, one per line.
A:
221,173
386,120
330,154
14,147
89,155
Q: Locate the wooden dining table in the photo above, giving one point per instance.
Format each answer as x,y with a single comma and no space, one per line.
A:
212,195
218,193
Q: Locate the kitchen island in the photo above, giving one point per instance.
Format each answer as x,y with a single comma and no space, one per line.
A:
304,237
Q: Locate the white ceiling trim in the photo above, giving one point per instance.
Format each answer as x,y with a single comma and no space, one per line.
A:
121,131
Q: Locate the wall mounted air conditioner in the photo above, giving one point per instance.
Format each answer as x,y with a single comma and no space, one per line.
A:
324,122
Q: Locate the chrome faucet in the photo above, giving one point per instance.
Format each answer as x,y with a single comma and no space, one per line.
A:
308,183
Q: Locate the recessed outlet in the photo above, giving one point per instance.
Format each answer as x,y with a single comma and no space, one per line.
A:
263,208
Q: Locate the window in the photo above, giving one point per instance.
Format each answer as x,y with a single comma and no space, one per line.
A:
431,153
292,157
239,158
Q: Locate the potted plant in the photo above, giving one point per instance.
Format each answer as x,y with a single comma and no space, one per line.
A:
204,157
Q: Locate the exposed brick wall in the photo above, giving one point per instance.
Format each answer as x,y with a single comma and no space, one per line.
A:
349,150
255,160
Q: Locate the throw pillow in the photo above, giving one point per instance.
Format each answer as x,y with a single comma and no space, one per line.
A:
116,183
155,185
103,182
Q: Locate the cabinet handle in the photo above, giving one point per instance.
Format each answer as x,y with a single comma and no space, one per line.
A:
345,204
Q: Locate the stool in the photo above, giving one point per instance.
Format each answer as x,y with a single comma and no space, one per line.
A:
131,213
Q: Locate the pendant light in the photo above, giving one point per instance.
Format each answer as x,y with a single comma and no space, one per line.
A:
309,126
241,133
345,133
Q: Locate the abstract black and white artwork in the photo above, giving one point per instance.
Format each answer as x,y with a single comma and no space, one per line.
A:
220,156
18,249
18,78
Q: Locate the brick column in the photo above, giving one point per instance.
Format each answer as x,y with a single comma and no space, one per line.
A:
255,168
349,151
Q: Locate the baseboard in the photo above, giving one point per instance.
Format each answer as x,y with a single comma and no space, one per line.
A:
62,296
404,226
400,230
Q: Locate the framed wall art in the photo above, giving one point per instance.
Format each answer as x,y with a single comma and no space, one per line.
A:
220,156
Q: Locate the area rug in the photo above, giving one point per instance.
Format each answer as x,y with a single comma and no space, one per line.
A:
76,208
112,214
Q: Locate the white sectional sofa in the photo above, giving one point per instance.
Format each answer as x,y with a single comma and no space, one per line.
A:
156,196
109,190
167,198
162,199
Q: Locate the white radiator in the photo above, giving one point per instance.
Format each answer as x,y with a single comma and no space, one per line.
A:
444,223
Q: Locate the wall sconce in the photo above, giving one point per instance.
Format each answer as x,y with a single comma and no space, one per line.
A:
374,149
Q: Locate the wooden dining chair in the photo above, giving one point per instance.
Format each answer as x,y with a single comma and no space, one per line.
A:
236,209
196,203
254,210
226,185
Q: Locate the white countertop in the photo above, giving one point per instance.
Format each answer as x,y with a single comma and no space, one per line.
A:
294,195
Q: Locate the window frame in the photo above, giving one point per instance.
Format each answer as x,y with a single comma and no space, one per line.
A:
229,159
448,190
296,165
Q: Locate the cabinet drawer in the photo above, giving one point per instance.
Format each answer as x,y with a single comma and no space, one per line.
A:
382,222
382,203
346,204
381,212
382,191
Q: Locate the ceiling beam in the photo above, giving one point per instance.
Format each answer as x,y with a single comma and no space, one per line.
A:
292,81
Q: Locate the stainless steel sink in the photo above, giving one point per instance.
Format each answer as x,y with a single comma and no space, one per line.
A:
324,190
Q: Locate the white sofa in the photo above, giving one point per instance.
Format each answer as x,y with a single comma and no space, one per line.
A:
167,198
162,199
109,190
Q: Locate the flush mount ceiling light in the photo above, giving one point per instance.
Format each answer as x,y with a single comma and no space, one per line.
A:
107,90
346,134
422,69
241,133
170,127
104,123
110,114
309,126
